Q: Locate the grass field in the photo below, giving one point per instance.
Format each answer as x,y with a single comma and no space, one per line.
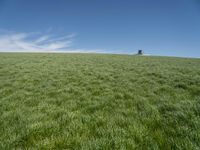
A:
91,101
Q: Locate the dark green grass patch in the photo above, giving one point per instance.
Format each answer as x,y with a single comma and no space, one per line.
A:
89,101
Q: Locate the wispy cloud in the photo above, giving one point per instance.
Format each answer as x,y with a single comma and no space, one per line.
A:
43,42
34,42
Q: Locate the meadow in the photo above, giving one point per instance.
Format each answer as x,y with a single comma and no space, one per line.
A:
99,101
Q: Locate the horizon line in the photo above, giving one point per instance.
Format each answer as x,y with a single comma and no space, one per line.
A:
103,53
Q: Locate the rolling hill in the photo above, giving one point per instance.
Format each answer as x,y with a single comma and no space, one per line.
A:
98,101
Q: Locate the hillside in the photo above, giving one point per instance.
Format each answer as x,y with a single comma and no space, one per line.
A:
93,101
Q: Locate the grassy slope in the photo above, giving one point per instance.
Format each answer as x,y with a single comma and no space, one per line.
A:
88,101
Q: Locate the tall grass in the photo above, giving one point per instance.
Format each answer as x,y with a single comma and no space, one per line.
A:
89,101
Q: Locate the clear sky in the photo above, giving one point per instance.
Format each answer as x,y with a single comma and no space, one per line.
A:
159,27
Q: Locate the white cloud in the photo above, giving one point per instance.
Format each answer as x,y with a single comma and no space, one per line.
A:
42,39
37,42
30,42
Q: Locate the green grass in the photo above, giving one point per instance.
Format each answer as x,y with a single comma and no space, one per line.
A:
90,101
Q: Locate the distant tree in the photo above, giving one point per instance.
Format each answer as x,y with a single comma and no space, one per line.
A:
140,52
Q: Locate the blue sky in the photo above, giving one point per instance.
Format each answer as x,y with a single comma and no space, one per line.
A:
159,27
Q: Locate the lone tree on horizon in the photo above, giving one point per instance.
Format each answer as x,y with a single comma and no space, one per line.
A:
140,52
